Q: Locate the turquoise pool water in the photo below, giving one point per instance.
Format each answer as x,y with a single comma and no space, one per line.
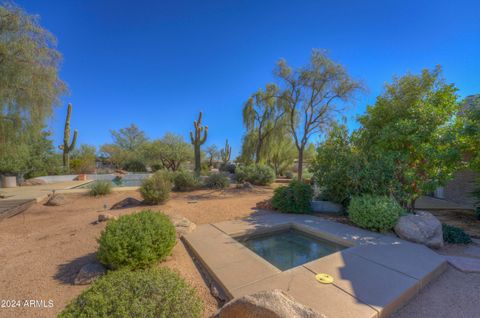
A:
118,183
289,248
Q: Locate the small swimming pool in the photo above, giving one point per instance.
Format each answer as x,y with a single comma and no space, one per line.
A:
289,248
117,182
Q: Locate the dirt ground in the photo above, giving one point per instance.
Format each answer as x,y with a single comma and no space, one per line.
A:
42,249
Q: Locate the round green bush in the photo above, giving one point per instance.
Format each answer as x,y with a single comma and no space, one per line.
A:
227,167
376,213
153,293
255,174
217,181
184,181
135,166
137,240
294,198
157,188
100,187
455,235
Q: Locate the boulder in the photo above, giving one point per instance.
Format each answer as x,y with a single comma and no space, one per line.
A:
33,182
182,225
266,304
422,227
126,203
56,200
106,216
88,273
247,186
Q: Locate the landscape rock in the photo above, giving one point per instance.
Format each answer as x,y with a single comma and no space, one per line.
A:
106,216
266,304
56,200
422,227
88,273
247,186
182,225
33,182
126,203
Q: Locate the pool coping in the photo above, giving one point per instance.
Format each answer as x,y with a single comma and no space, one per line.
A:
358,291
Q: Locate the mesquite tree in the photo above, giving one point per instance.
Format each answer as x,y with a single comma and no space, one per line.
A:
311,95
197,140
65,147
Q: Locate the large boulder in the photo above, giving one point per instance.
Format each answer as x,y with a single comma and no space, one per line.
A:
89,272
182,225
56,200
422,227
266,304
126,203
33,182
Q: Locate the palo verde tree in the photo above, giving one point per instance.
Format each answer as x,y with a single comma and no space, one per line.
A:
311,95
262,115
30,87
197,140
414,122
213,154
127,146
171,151
65,147
226,152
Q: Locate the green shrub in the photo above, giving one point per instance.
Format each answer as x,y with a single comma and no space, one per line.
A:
184,181
255,174
376,213
289,175
100,187
455,235
153,293
156,189
136,240
294,198
217,181
135,166
227,167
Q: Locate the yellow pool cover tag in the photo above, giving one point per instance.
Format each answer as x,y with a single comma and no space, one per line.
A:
324,278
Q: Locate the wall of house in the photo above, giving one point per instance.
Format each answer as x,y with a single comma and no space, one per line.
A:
459,189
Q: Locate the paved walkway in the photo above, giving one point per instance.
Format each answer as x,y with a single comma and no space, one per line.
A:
374,277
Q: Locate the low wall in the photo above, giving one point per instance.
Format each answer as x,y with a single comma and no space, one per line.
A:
109,176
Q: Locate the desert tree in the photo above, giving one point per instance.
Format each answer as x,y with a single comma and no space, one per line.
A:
311,96
212,154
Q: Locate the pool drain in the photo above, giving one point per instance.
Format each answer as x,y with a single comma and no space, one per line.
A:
324,278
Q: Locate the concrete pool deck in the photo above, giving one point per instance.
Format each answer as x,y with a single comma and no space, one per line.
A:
375,276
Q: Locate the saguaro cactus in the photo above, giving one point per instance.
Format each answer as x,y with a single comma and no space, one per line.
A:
198,140
226,152
66,148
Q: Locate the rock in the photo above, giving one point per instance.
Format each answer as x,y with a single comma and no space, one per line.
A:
121,172
106,216
126,203
182,225
247,186
56,200
422,227
88,273
266,304
265,205
32,182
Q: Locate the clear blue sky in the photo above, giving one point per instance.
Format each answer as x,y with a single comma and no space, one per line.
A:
157,63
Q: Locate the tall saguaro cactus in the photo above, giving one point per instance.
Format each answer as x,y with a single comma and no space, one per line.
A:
198,140
226,152
66,148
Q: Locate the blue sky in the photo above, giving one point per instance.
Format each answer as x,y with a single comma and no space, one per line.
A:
158,63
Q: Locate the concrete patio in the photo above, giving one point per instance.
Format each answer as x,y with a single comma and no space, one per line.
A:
375,276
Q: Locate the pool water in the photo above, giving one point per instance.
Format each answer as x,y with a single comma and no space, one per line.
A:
290,248
117,183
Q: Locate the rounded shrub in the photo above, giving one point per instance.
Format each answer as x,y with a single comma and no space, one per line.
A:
136,240
184,181
135,166
455,235
227,167
217,181
157,188
376,213
153,293
100,187
255,174
294,198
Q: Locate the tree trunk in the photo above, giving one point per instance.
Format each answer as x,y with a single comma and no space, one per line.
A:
300,164
257,151
66,162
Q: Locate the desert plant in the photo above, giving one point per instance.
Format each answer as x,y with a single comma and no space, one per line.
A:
376,213
184,181
197,140
137,240
217,181
289,174
65,147
294,198
226,152
153,293
455,235
227,167
135,166
157,188
255,174
100,187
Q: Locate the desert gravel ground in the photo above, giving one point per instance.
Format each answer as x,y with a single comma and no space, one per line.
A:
42,249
